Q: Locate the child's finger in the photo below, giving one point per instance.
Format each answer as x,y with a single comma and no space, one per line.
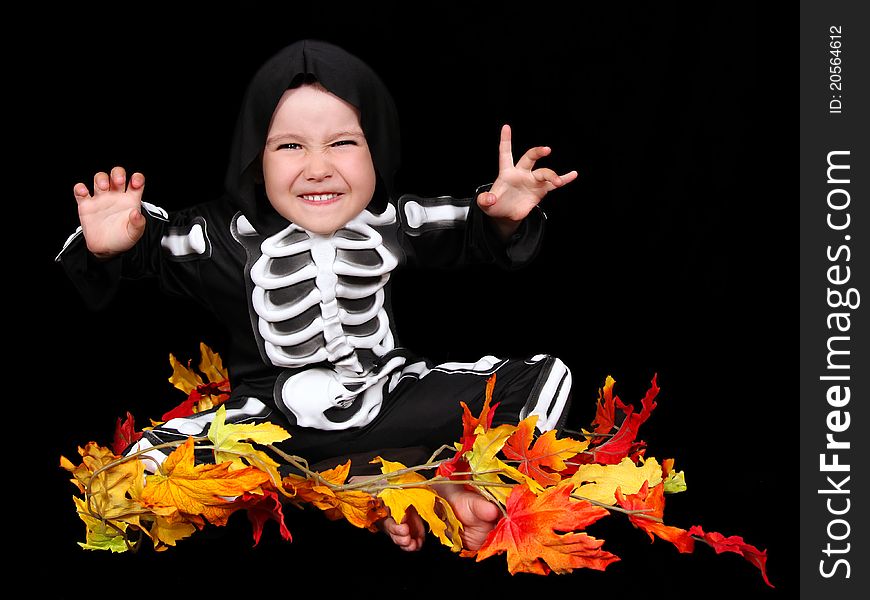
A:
118,182
527,161
81,192
101,182
505,154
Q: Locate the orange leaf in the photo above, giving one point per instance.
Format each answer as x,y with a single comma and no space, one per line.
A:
604,409
652,500
359,508
529,533
734,543
546,457
183,487
623,441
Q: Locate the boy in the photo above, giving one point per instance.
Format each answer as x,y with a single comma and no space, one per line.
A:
296,259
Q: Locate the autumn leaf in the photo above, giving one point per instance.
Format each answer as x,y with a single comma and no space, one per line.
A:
623,441
431,507
189,489
262,508
470,425
201,395
231,443
165,533
530,533
359,508
600,482
605,411
487,467
546,457
675,481
109,480
734,543
100,535
125,434
652,501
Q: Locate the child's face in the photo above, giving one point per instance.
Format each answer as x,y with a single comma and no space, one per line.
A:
317,167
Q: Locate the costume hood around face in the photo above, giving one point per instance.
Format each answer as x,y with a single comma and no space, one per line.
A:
344,75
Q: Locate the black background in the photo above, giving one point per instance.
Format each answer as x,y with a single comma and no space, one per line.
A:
670,255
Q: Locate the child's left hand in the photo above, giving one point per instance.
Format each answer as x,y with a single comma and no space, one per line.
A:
518,188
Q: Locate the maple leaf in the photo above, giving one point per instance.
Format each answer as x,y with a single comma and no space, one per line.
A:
652,501
183,489
108,483
100,535
675,481
623,441
359,508
600,482
605,413
470,425
431,507
201,395
543,460
529,533
165,533
231,443
125,434
263,508
734,543
487,467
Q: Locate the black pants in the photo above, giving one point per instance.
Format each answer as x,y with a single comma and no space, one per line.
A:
418,414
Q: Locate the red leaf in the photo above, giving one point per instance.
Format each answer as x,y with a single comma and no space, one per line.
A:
623,442
262,508
734,543
652,500
185,409
125,434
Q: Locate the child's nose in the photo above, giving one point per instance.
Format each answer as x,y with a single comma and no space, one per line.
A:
318,166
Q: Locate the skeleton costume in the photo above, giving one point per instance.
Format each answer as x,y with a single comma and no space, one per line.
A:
312,340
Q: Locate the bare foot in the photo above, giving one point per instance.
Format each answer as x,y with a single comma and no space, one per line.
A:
477,514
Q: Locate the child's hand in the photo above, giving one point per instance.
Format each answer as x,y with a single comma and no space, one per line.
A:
409,534
111,219
518,188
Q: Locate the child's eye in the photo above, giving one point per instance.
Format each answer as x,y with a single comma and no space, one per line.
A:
345,143
290,146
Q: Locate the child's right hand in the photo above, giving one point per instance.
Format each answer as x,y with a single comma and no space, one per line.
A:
111,219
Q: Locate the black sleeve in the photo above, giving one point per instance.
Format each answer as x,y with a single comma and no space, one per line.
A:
167,251
445,231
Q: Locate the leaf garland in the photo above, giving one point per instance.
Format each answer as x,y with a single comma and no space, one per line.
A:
549,489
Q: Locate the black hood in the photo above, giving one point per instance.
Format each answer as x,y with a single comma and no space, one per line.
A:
341,73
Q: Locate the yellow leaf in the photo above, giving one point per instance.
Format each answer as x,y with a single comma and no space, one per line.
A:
599,482
183,378
488,468
109,483
675,481
211,365
431,507
165,533
191,489
229,447
101,535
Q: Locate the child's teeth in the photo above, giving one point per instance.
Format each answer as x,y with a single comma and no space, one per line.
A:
320,197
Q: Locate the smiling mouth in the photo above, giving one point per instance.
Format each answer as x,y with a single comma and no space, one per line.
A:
320,198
